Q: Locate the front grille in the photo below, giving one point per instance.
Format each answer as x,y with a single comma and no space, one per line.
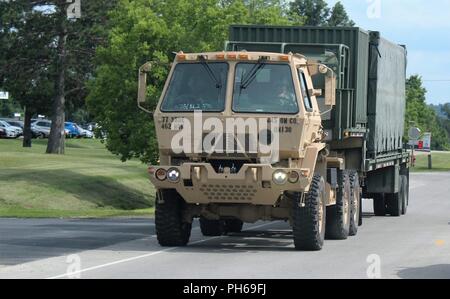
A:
231,143
234,165
234,193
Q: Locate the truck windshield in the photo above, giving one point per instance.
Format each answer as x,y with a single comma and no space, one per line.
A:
270,91
196,86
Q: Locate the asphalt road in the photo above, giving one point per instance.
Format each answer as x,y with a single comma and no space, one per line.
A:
413,246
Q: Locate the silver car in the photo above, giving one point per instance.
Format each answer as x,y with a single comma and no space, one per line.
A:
43,127
11,131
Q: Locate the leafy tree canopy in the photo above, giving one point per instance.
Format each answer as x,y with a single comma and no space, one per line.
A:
151,30
418,113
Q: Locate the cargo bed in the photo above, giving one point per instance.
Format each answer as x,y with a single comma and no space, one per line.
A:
371,74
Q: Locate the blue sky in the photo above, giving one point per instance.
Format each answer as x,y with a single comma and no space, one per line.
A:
423,26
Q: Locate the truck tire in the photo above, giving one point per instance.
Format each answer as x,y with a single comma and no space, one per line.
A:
212,228
355,199
379,204
360,222
339,215
405,193
394,204
309,221
171,230
233,225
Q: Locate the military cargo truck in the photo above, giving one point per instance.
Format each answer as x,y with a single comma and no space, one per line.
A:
287,123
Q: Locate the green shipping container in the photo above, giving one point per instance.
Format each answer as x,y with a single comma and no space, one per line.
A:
371,75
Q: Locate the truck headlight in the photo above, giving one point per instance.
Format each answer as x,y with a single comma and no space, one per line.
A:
173,175
294,177
280,177
161,174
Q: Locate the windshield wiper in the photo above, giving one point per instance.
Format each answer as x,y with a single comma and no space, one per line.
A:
253,73
210,72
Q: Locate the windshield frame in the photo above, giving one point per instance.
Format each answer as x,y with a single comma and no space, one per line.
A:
267,63
171,80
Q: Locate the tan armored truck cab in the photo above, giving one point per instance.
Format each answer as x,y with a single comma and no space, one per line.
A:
241,140
259,133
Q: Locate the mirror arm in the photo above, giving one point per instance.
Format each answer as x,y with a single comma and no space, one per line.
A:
142,86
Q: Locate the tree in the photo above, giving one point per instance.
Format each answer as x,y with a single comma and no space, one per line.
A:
151,30
317,13
9,107
266,12
50,58
339,17
309,12
446,109
76,42
419,113
26,65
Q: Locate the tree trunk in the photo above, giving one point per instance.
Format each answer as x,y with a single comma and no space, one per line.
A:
27,128
57,133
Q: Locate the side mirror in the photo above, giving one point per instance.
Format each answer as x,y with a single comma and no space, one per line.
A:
316,68
330,88
315,92
142,87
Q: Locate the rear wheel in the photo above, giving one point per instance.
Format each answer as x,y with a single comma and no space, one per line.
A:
212,228
339,215
171,230
405,193
355,199
233,225
394,203
379,204
309,220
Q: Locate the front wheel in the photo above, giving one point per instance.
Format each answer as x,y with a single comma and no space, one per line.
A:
171,229
309,220
339,215
355,199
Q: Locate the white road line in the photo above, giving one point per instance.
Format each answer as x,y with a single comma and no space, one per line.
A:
147,255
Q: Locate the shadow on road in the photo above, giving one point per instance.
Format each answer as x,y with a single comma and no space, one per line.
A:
429,272
248,241
368,215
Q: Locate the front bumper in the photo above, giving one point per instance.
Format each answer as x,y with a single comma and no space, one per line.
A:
199,183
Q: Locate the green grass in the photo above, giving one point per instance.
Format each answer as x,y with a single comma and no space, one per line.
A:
87,181
441,162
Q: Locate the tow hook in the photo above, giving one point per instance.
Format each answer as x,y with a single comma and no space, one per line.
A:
302,201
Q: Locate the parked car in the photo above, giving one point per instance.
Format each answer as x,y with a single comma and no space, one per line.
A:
90,126
20,124
14,123
85,133
11,131
2,133
43,127
74,132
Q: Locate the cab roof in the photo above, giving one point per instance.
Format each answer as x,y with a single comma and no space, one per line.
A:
241,56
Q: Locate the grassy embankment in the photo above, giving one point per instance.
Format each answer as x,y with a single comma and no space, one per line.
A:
86,182
441,162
